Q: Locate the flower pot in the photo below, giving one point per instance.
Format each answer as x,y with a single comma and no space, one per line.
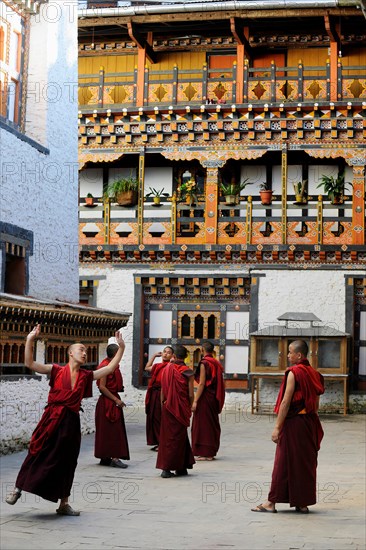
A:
337,199
266,196
230,199
127,198
89,201
300,199
156,200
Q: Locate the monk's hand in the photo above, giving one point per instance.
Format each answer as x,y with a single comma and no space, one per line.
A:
34,333
120,340
275,435
119,403
194,406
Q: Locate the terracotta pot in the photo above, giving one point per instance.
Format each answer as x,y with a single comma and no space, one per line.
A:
266,196
127,198
337,199
89,201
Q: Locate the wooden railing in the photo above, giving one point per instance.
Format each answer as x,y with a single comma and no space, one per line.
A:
249,222
273,84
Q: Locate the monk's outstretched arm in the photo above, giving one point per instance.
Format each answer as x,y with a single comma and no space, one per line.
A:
104,371
28,353
284,407
149,364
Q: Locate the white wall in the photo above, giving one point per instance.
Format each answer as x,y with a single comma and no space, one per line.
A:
40,192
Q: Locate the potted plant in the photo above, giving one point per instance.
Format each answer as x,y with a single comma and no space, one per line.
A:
124,191
334,187
231,191
266,193
300,193
156,194
188,191
89,199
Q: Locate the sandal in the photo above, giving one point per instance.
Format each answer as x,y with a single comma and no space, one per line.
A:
261,508
302,509
66,510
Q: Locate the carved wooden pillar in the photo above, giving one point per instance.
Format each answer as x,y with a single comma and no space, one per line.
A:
140,205
284,195
358,205
212,191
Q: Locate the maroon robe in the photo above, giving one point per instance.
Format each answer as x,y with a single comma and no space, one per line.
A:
153,405
206,425
175,451
110,430
294,470
49,468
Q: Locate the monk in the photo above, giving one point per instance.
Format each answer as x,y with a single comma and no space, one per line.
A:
111,442
297,434
152,399
49,468
177,396
207,405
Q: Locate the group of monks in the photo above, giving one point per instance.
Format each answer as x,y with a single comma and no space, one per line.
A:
170,401
49,468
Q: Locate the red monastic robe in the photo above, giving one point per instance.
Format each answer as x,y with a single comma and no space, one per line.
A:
294,470
206,425
153,405
49,468
110,430
175,451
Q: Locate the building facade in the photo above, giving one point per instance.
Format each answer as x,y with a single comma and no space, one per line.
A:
209,105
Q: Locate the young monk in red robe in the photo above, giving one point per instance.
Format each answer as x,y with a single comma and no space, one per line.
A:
207,405
152,399
177,396
297,433
49,468
111,442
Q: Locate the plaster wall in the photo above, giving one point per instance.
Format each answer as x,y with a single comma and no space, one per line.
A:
39,191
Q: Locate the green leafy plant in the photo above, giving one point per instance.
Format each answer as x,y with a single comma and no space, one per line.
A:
334,187
89,196
122,185
233,188
156,192
299,188
264,186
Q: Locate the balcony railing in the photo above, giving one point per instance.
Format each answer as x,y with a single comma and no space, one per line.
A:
249,222
196,86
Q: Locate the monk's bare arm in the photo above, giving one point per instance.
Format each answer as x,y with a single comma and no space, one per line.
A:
284,407
149,364
105,391
28,353
317,404
104,371
191,389
201,386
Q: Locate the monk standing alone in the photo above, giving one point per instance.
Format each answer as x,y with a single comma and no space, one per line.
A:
297,433
49,468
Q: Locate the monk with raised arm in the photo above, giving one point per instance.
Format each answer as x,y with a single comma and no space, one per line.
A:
49,468
297,434
152,399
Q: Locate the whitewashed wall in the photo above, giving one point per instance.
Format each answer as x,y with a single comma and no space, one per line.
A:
42,190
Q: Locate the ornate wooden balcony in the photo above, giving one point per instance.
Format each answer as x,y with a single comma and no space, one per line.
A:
260,86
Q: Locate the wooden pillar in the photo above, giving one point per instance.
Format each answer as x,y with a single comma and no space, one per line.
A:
107,219
211,193
141,62
358,205
284,194
240,56
140,205
333,70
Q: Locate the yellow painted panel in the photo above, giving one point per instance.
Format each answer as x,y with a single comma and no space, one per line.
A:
183,60
311,57
111,64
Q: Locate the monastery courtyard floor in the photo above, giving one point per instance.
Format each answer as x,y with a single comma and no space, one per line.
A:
208,510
